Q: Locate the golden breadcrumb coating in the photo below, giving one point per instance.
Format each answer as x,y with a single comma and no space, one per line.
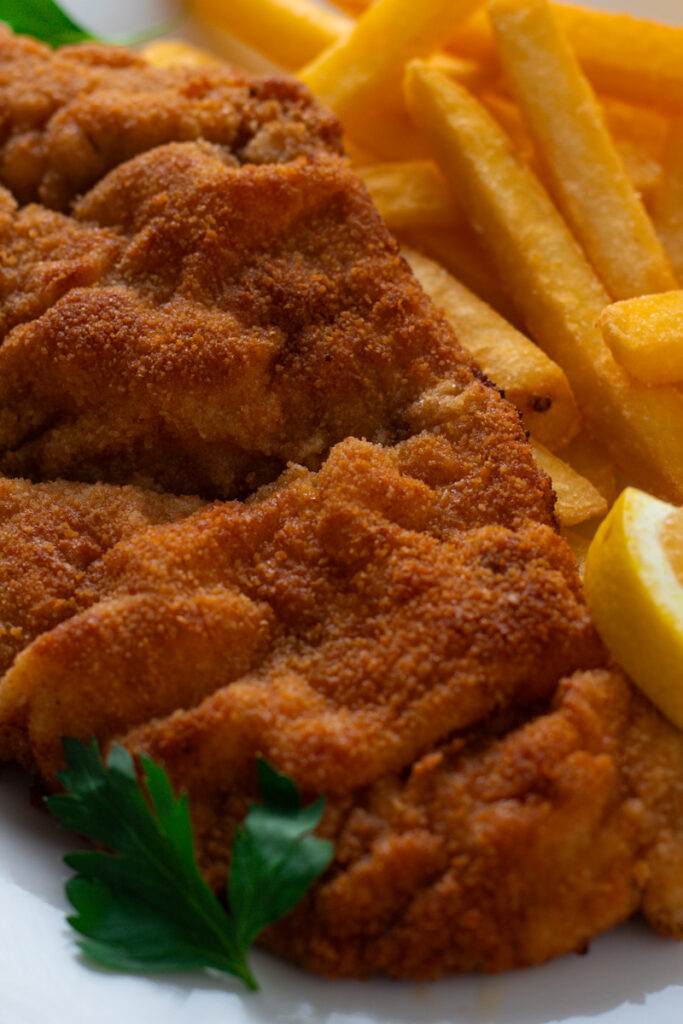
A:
71,115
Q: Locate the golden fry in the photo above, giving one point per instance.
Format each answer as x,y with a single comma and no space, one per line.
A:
646,127
509,118
410,194
577,499
549,279
352,7
643,171
458,250
288,32
174,53
371,58
585,171
386,131
474,39
646,336
579,547
635,58
471,73
591,460
632,58
667,202
531,381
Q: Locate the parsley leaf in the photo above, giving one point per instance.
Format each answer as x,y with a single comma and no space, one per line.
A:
145,906
43,20
46,21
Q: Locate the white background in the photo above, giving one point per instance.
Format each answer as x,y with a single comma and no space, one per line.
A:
628,977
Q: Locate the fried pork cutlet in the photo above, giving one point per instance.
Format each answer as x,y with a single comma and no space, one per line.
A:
368,629
393,621
195,321
69,116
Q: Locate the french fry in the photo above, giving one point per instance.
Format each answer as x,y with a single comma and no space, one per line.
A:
643,171
639,134
641,165
550,280
386,131
579,547
174,53
646,336
531,381
371,58
288,32
410,194
474,39
509,118
471,73
635,58
646,127
458,250
667,202
577,499
352,7
632,58
591,460
585,171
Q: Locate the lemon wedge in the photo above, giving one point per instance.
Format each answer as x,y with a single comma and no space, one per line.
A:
634,589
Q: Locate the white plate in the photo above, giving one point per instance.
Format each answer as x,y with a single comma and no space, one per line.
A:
628,977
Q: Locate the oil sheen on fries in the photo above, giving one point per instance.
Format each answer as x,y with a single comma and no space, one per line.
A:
550,280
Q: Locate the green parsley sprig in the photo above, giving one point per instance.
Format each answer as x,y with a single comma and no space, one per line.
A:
145,906
45,20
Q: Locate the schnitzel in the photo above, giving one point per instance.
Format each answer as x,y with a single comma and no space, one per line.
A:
195,326
90,108
196,294
407,574
495,797
208,311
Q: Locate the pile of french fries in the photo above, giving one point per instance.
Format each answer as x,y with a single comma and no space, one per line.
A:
529,157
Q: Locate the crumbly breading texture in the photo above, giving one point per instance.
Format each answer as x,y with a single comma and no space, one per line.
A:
216,298
312,584
50,534
195,326
369,631
493,853
71,115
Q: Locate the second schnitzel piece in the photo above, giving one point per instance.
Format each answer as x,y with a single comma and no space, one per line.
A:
404,632
394,581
